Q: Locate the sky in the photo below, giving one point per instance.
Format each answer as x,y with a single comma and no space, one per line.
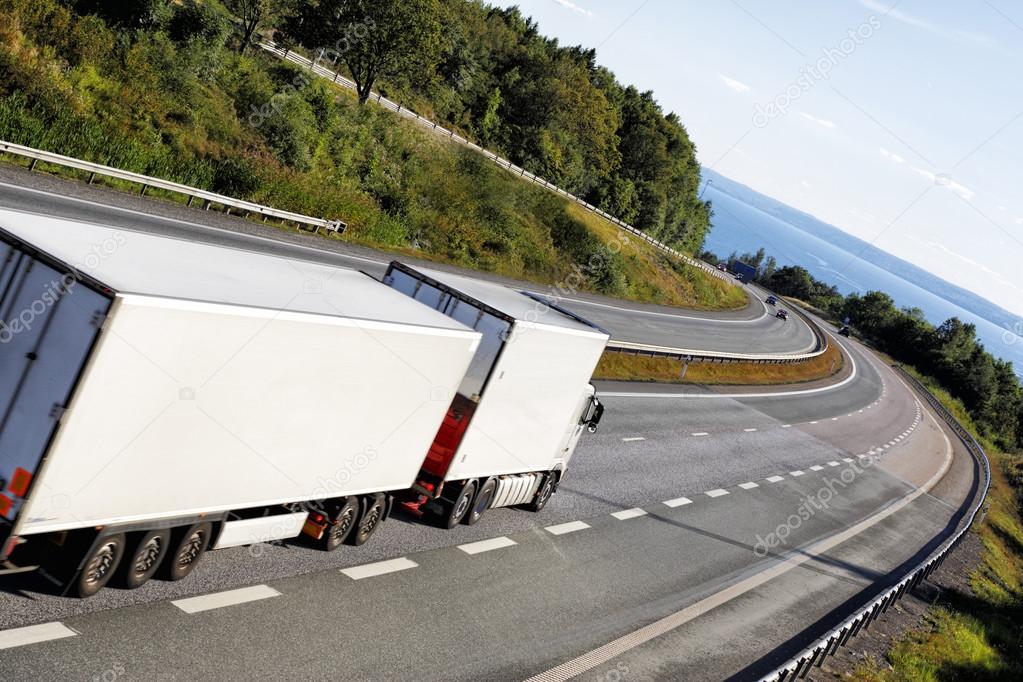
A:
900,122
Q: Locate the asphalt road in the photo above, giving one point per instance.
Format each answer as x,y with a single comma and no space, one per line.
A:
666,504
749,330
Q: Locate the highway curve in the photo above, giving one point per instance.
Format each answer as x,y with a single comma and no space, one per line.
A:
661,556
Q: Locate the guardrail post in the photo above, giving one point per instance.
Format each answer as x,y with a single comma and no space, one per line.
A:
143,192
92,176
32,166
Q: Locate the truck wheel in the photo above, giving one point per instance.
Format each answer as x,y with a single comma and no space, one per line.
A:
344,521
189,545
100,565
483,499
543,495
142,558
370,520
457,509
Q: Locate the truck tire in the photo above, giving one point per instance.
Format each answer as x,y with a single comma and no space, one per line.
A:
142,558
100,565
481,502
543,494
456,509
341,526
186,548
372,517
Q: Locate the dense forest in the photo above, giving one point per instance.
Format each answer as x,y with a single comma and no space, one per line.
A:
951,353
178,89
551,109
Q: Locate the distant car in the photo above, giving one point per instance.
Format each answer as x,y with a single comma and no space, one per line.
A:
772,300
844,331
782,314
722,267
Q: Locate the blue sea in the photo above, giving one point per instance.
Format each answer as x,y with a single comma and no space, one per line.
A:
737,226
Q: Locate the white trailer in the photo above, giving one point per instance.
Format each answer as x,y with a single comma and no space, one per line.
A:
518,415
161,396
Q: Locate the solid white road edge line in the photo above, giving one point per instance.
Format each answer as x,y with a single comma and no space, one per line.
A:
774,394
588,661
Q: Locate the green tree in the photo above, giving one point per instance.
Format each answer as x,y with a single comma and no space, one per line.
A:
373,38
252,14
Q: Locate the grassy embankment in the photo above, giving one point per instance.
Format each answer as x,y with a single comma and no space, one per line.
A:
976,635
622,367
255,128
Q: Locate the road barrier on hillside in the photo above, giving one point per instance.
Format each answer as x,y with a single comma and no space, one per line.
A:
208,198
799,666
501,162
819,347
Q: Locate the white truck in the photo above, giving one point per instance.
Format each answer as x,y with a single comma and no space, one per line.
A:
519,412
160,397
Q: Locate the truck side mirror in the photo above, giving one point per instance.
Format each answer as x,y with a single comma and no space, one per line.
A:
597,413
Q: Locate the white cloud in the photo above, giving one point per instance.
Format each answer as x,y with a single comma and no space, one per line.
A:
1002,208
948,182
819,121
992,274
1019,221
734,85
891,156
805,184
574,7
885,9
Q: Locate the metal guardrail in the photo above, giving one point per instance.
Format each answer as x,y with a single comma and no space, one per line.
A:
407,113
820,347
209,198
193,193
813,656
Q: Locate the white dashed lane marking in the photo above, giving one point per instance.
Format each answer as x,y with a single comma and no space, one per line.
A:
379,568
700,433
749,430
716,493
678,502
633,439
628,514
486,545
34,634
816,467
796,473
748,486
570,527
775,479
219,600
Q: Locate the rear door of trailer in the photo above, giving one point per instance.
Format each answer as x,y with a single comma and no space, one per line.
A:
50,324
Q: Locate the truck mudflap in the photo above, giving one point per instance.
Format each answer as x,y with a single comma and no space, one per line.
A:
49,322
